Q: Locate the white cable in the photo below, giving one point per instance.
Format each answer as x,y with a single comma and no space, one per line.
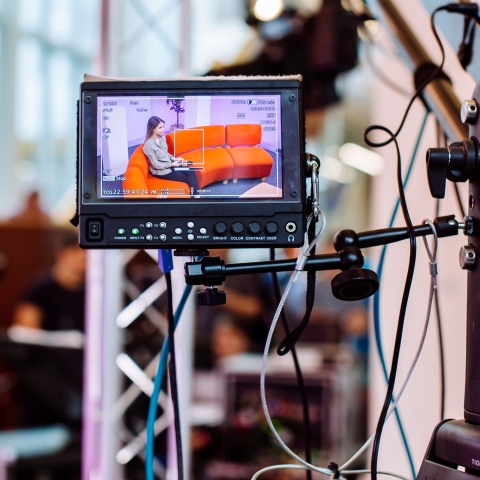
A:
306,465
278,467
300,263
290,466
433,285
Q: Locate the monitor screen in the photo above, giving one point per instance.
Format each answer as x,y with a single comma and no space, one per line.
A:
223,146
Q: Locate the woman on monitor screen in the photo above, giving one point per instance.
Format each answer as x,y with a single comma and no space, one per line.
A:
160,161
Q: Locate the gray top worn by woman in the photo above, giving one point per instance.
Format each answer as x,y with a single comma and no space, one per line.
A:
158,157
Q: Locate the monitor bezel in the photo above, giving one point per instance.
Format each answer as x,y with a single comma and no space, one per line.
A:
292,142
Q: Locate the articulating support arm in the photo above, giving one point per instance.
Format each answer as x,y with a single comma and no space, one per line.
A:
353,283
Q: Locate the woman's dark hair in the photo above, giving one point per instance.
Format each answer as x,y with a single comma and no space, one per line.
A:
152,125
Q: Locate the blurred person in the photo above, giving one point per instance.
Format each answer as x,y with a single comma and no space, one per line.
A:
55,300
228,339
52,377
31,214
249,307
3,263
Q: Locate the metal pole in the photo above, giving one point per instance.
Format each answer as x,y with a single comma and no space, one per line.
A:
10,191
184,358
103,338
439,94
102,378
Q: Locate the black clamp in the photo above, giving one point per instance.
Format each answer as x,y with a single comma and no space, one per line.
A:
334,468
209,271
446,226
313,167
457,163
468,227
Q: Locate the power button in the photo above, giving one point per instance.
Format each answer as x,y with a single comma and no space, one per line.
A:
94,230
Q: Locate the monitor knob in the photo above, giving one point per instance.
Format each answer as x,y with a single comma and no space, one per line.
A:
271,228
254,228
220,228
238,228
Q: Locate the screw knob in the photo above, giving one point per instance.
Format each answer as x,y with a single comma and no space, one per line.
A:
211,297
467,257
355,284
469,112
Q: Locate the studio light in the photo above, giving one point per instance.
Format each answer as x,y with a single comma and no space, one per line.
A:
361,159
266,10
333,169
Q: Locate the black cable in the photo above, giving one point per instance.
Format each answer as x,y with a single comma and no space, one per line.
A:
172,370
401,317
441,349
393,136
291,338
459,199
413,246
298,372
465,50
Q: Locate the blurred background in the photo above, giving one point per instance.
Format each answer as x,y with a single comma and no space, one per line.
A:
354,75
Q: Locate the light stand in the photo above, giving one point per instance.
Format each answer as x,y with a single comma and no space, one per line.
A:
454,449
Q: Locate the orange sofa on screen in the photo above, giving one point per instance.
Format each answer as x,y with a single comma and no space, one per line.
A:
204,147
224,152
250,160
138,177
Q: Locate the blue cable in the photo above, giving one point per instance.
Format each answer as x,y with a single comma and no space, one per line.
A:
157,385
376,299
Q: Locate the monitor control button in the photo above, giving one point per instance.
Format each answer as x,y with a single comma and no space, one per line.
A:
178,231
162,237
190,224
149,237
191,236
203,231
149,224
271,228
238,228
220,228
254,228
162,225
